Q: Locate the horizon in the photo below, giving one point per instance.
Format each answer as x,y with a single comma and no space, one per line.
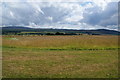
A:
58,28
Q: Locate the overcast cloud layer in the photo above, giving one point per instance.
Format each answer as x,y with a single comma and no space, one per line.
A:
65,15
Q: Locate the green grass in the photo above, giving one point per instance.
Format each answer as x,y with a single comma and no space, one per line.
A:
22,63
52,48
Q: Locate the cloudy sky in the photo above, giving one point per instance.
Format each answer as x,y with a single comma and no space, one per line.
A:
89,14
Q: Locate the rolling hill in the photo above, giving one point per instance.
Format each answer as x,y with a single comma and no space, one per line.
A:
18,29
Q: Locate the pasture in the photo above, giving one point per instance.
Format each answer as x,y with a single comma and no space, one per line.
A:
86,56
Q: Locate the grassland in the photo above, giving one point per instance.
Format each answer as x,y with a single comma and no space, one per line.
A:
60,56
61,42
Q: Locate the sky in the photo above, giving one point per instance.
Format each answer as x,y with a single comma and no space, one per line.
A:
72,14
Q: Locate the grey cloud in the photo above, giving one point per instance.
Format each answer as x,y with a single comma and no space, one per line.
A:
54,12
21,13
27,13
102,17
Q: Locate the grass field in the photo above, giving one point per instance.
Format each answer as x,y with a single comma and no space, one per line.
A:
60,56
61,42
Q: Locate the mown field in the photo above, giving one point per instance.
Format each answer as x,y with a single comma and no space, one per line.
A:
87,56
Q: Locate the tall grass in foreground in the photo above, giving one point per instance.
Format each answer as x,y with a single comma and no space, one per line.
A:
59,64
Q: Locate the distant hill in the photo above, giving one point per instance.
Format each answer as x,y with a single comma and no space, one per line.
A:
19,29
15,27
101,32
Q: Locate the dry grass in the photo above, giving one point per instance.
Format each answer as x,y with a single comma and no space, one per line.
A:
63,42
60,64
23,57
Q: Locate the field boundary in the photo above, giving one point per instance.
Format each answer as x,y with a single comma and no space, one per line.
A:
32,48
